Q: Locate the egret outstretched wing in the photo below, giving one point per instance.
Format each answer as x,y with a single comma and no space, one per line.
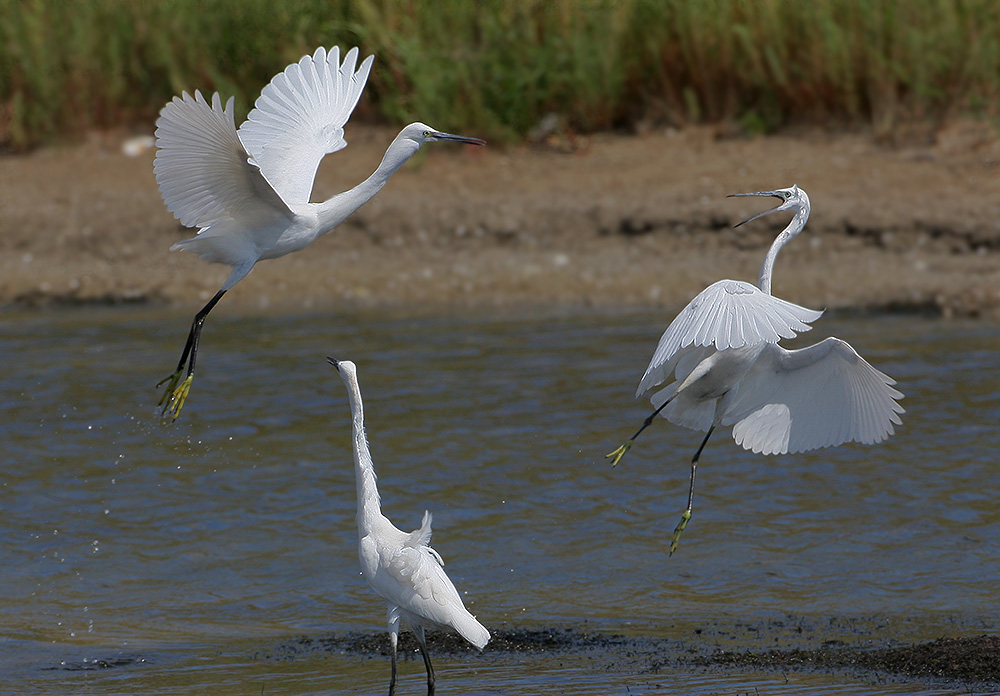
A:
726,314
722,350
299,118
823,395
248,190
202,169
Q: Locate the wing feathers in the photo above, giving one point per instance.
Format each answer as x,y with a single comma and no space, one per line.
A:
201,167
726,314
300,116
820,396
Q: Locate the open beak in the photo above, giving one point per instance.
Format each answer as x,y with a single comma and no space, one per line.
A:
333,362
775,209
438,135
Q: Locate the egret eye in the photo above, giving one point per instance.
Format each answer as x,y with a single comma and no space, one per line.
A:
427,134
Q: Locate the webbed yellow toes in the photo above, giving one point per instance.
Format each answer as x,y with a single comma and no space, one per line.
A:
177,398
678,529
619,453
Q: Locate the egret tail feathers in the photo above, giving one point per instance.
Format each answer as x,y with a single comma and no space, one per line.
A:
422,535
469,628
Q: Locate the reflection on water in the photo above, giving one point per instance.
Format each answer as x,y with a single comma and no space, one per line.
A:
192,543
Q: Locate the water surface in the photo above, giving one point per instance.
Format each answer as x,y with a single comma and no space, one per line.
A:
190,550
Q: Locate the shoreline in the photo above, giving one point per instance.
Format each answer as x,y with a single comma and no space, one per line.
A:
970,661
614,221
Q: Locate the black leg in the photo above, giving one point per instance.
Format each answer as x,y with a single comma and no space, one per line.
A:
195,336
694,464
649,420
174,396
687,513
620,452
392,679
422,639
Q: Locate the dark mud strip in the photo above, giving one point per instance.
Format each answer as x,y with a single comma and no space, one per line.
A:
509,640
972,662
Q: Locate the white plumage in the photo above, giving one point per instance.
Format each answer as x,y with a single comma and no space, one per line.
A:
728,370
299,117
248,190
401,567
726,314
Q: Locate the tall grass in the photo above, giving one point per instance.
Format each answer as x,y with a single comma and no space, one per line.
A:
496,67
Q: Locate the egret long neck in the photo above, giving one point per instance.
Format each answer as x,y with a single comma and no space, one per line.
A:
369,503
794,227
337,209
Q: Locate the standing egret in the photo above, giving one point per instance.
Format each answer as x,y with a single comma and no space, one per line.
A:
728,369
401,567
248,190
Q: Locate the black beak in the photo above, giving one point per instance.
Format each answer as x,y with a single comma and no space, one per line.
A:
438,135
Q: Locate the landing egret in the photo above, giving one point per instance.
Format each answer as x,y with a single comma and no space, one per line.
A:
248,190
728,369
401,567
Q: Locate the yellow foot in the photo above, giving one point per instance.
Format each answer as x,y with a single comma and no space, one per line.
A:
619,453
171,382
177,398
678,529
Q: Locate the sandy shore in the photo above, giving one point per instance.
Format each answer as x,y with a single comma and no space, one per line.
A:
610,220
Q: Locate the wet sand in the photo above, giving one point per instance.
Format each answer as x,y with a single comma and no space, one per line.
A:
608,220
972,662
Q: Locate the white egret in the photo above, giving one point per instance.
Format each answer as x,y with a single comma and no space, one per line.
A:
722,351
248,190
401,567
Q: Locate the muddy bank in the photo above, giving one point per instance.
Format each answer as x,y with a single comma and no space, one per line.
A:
612,220
972,661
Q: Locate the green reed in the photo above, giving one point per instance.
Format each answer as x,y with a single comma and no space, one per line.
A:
496,68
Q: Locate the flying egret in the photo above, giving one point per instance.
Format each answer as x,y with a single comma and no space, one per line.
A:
248,190
722,351
401,567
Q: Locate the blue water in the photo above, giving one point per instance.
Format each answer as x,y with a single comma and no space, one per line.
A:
200,545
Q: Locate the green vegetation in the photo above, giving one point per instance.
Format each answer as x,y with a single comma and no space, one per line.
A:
496,67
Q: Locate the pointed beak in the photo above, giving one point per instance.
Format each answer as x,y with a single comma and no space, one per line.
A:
438,135
333,362
775,209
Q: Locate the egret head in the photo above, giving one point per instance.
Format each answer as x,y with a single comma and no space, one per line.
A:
345,367
792,198
409,140
421,133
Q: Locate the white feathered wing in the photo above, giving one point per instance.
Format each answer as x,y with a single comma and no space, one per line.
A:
299,118
726,314
205,178
820,396
201,166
